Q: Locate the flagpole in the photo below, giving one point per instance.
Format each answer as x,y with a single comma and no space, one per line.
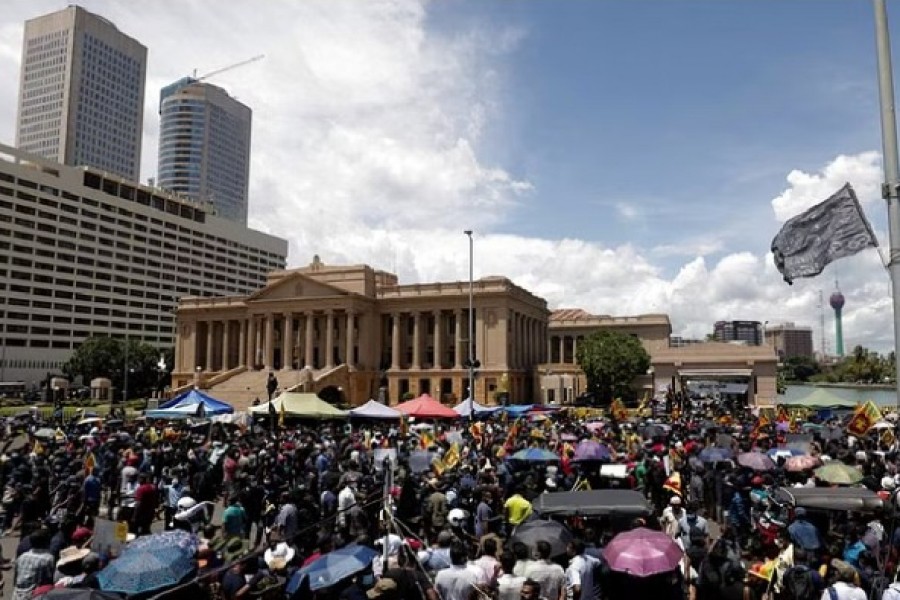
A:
890,190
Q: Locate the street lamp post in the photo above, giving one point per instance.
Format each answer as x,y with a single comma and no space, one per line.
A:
890,161
470,361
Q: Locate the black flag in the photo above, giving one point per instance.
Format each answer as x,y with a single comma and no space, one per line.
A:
833,229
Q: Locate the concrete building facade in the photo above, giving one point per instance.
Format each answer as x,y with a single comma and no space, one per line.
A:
790,340
747,332
204,146
81,92
359,332
354,333
84,253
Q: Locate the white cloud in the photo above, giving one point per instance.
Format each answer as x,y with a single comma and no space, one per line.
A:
863,171
367,138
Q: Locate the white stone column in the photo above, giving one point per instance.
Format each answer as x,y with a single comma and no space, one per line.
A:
225,341
395,340
308,350
460,350
329,339
251,343
417,341
287,339
269,359
438,341
549,349
210,325
350,341
242,343
562,349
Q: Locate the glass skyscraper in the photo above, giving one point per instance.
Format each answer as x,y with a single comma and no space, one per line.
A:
204,146
81,92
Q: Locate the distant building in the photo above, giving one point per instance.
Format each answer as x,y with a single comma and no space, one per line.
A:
204,146
749,332
85,253
676,341
81,92
790,340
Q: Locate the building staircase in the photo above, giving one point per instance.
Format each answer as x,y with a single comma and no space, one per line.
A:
242,387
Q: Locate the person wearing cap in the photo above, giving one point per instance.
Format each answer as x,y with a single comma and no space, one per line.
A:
385,589
670,517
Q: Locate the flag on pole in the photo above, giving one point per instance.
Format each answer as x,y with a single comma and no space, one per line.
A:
863,418
673,483
451,457
618,410
90,462
782,416
830,230
281,414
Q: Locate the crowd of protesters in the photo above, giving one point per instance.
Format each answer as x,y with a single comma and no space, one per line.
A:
267,499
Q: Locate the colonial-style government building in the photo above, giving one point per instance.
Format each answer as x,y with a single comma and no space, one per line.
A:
354,333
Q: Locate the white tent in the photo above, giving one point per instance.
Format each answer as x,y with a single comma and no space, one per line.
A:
467,407
375,410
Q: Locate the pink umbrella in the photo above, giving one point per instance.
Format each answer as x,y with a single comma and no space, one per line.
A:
802,463
756,461
642,552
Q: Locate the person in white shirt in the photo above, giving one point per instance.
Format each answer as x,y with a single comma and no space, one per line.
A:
580,584
670,517
459,580
550,576
346,501
509,586
843,588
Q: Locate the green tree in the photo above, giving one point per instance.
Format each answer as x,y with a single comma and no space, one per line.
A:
106,357
610,361
800,368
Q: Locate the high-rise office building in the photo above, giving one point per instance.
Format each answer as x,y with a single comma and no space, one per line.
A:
204,146
84,253
748,332
790,340
81,92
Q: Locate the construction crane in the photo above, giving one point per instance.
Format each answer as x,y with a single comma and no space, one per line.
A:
228,68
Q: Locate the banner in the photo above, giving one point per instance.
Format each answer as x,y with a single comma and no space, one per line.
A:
863,418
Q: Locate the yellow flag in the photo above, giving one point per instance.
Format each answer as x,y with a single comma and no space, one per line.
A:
451,457
887,437
426,440
281,414
38,448
89,463
438,466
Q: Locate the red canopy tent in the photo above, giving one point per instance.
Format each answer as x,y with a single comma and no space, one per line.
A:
426,407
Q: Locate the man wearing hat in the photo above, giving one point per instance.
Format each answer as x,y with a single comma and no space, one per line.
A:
384,589
844,587
75,565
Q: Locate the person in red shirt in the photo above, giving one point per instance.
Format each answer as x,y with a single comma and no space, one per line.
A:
146,500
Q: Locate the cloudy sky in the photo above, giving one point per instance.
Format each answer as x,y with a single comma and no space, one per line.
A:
623,157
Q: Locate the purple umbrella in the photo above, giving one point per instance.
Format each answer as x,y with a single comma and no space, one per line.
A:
642,552
591,450
756,461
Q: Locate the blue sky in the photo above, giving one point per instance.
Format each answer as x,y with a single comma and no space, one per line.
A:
621,156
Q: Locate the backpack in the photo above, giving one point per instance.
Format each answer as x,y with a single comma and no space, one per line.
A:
797,584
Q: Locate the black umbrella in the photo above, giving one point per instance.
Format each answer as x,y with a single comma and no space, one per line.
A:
80,594
531,532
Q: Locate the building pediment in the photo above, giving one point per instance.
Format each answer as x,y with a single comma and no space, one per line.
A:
296,286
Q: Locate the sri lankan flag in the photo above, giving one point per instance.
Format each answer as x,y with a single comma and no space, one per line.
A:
451,457
476,430
426,440
863,418
90,463
783,416
618,411
762,421
673,483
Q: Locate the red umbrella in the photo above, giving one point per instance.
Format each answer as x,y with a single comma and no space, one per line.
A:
426,407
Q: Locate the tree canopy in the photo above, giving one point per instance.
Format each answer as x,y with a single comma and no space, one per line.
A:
105,357
610,361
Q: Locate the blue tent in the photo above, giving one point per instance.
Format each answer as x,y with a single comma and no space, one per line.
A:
193,403
517,410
